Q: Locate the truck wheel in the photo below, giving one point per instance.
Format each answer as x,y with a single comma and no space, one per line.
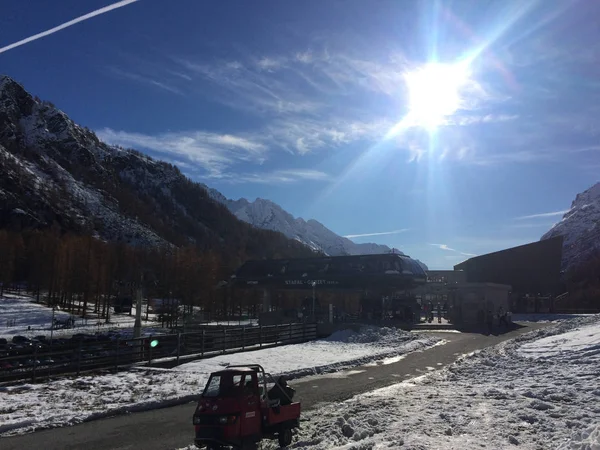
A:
285,437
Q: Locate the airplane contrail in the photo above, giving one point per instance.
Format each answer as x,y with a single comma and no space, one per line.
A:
350,236
67,24
548,214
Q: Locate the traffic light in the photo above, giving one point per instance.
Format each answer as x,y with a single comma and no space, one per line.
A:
153,343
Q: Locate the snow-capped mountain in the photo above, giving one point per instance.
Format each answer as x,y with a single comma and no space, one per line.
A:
580,227
268,215
54,172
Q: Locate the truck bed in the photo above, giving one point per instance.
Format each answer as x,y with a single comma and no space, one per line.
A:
279,414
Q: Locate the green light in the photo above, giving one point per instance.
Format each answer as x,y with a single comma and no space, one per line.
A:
153,343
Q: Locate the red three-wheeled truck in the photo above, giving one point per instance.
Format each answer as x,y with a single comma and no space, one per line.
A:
236,410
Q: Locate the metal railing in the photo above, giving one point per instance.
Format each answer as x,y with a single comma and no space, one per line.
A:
37,361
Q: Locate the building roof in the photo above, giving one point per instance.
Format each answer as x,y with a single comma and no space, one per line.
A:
529,268
338,272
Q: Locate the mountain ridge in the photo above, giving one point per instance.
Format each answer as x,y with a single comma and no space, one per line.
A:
56,173
580,228
72,179
267,214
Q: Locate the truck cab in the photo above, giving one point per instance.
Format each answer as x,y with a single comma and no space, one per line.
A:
234,411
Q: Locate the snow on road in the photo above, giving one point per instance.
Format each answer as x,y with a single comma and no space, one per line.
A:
538,391
29,407
341,350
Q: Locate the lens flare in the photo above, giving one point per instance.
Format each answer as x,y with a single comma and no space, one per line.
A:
434,92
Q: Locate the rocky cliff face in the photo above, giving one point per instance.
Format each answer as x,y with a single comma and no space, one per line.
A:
268,215
580,228
54,172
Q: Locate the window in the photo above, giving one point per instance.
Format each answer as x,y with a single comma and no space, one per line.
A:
411,266
223,386
212,388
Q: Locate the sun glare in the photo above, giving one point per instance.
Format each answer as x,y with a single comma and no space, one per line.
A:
434,93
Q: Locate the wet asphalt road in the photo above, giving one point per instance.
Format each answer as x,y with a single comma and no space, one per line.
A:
171,428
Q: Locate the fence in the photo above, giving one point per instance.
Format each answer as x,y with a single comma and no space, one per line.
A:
38,360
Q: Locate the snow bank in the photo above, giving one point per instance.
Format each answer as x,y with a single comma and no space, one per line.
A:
579,345
20,315
343,349
29,407
545,317
499,398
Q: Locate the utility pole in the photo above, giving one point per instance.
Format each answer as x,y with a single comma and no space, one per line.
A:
137,328
54,308
313,303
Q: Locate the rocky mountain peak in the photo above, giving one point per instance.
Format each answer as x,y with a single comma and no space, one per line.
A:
580,227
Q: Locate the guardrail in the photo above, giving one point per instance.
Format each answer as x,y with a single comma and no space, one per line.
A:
37,361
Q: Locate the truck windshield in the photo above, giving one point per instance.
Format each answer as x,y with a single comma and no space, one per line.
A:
222,386
212,388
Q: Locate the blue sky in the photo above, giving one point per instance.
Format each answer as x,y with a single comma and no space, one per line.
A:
305,103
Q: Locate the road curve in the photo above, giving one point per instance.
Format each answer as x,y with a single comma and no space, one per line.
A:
171,428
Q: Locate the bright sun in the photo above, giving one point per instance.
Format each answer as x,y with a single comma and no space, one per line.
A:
434,92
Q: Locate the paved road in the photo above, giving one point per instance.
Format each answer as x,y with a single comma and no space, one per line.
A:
171,428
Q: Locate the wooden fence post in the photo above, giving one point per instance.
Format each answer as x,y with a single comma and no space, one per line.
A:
150,350
35,352
117,355
79,357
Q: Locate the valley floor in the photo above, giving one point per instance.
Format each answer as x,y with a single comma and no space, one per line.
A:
538,391
29,407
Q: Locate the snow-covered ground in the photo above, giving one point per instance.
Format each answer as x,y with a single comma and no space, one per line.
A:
245,322
545,317
20,315
538,391
28,407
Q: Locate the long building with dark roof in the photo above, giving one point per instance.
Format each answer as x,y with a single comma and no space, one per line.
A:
529,269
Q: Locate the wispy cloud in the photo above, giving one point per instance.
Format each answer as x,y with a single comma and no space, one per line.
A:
304,135
589,148
383,233
544,225
217,154
475,119
269,64
323,95
213,152
543,215
254,86
326,95
447,248
145,79
68,24
283,176
443,247
292,82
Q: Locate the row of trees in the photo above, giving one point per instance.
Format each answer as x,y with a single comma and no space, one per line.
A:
73,271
